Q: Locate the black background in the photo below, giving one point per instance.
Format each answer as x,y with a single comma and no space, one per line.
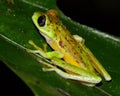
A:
103,15
100,14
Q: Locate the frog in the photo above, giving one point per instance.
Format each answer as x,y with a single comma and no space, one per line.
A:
70,57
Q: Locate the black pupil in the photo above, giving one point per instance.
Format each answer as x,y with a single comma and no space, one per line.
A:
41,20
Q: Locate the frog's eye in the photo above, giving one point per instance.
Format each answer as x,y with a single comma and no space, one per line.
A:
41,20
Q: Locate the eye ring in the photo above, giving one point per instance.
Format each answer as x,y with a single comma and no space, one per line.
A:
41,20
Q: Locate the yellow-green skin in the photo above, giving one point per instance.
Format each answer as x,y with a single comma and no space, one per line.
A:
71,47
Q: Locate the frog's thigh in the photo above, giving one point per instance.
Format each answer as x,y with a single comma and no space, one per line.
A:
79,39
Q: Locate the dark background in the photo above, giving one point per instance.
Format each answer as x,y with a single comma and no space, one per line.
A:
103,15
100,14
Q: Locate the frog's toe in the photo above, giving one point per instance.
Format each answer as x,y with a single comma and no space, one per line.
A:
32,51
47,69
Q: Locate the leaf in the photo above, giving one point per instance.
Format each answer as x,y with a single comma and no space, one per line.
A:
16,28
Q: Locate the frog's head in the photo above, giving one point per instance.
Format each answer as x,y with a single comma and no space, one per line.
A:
47,23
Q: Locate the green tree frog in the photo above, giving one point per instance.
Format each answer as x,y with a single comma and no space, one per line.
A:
70,59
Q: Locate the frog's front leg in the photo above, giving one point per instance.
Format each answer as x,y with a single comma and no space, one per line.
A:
44,52
48,55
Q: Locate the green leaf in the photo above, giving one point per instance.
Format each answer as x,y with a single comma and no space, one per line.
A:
16,28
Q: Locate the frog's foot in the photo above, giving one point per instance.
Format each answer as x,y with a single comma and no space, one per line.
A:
34,45
48,69
36,52
48,66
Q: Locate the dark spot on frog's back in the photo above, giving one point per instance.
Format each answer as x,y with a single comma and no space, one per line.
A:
74,53
61,44
57,28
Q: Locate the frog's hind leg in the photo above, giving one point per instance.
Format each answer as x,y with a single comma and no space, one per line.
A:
97,65
65,75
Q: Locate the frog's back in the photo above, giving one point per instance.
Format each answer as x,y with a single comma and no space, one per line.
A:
74,52
62,41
